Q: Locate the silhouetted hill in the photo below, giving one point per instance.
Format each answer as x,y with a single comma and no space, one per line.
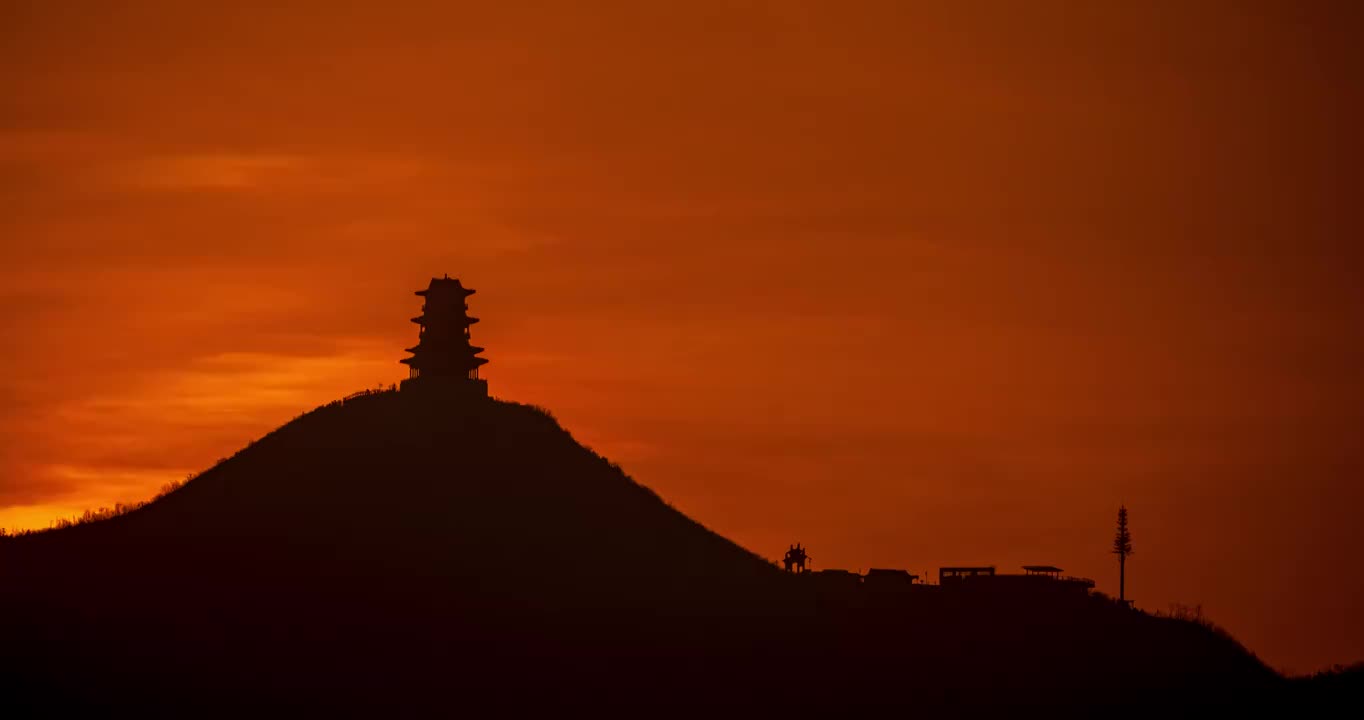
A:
405,551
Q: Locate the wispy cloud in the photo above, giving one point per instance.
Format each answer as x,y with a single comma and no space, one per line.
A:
336,171
219,171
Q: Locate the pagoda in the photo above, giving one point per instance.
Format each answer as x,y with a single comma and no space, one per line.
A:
443,354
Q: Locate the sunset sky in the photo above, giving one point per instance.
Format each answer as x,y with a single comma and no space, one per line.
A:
914,284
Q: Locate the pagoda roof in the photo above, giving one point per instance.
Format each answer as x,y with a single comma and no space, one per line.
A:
445,284
890,572
466,361
420,348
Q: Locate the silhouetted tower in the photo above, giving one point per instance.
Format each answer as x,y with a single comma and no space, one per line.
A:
443,354
1122,547
796,559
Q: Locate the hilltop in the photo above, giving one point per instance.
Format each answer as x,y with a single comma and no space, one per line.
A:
406,550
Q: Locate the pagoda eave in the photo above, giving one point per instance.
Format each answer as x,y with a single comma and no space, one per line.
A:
430,362
467,292
457,322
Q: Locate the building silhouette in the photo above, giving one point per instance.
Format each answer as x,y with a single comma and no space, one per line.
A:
1037,582
1037,587
444,356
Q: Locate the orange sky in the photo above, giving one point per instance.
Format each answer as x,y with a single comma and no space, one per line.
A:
912,284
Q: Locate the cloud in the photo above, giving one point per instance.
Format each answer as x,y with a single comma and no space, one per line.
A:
218,171
123,442
354,172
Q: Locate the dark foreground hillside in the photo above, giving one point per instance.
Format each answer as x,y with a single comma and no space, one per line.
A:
400,553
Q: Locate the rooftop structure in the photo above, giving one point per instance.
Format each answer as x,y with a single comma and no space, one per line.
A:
443,353
1035,581
888,579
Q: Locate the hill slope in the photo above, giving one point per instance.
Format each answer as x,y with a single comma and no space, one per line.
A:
403,551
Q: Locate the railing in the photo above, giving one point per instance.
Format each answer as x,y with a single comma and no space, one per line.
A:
369,391
1082,580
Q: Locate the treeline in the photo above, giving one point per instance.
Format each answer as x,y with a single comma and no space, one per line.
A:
102,513
120,509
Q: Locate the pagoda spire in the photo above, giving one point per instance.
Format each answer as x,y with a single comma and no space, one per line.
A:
443,353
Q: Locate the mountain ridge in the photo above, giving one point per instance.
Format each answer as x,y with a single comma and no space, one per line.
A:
473,543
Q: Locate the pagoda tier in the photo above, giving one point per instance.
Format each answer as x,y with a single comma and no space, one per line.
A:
444,349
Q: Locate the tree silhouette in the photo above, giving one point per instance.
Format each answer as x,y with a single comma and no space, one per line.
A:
1122,547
